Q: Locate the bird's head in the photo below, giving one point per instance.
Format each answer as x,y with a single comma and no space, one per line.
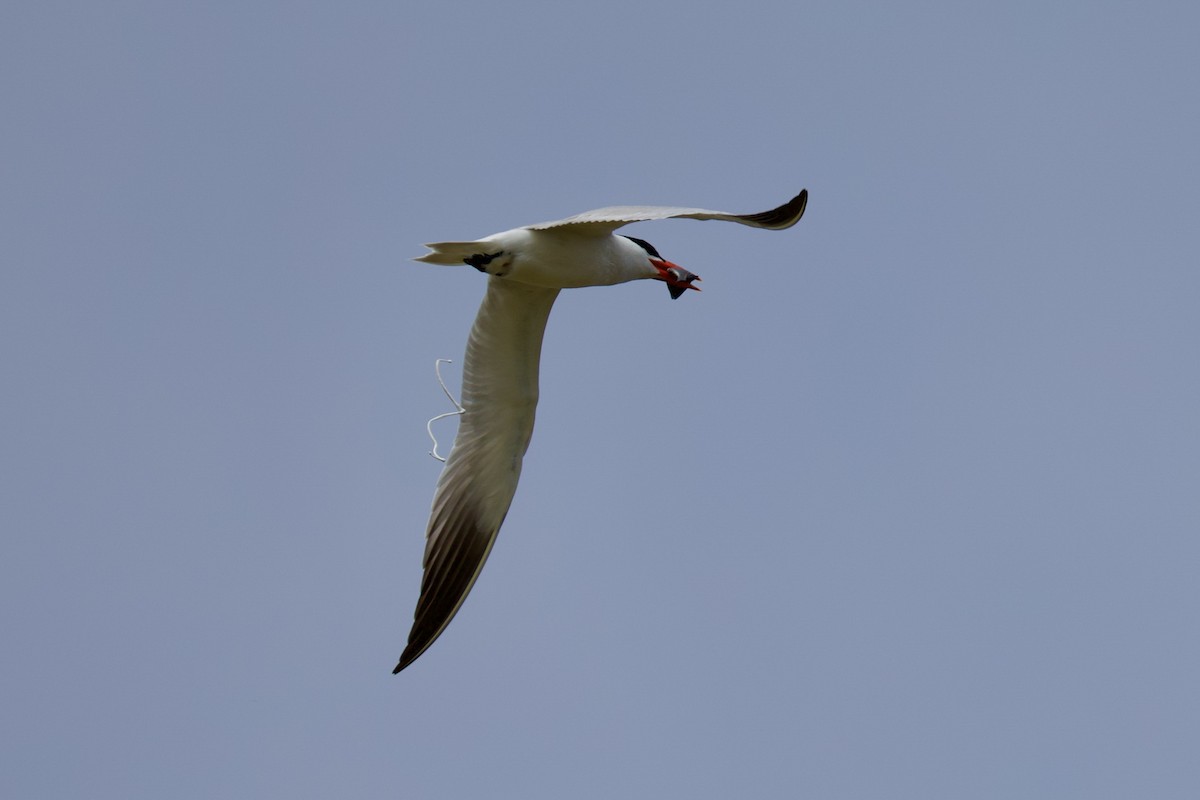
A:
678,279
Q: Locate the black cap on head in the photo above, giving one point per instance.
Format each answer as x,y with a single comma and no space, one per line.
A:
642,243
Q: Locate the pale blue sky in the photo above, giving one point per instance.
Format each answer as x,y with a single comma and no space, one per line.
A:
905,504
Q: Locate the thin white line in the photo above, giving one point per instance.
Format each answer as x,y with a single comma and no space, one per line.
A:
437,368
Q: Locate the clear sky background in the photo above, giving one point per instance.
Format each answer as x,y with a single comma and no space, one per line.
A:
905,504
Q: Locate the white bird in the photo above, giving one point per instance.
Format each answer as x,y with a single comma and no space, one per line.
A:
526,267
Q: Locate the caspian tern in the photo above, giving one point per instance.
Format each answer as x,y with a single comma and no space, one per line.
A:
526,268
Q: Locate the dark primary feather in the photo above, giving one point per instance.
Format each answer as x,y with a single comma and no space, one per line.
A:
785,216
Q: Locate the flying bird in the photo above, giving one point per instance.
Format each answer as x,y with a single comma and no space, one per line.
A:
526,268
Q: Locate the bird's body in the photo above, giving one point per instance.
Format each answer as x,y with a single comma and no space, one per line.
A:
527,267
552,259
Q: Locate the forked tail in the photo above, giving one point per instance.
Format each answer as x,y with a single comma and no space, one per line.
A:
452,254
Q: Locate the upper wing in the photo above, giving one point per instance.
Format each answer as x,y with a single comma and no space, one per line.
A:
605,220
499,397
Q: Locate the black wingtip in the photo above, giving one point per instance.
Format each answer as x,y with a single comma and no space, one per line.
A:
785,216
409,655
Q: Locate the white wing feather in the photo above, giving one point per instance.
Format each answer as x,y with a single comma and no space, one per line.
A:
605,220
499,398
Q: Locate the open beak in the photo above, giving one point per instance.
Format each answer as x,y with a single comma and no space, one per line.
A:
678,279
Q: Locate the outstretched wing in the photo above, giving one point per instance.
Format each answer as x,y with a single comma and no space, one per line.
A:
606,220
499,397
